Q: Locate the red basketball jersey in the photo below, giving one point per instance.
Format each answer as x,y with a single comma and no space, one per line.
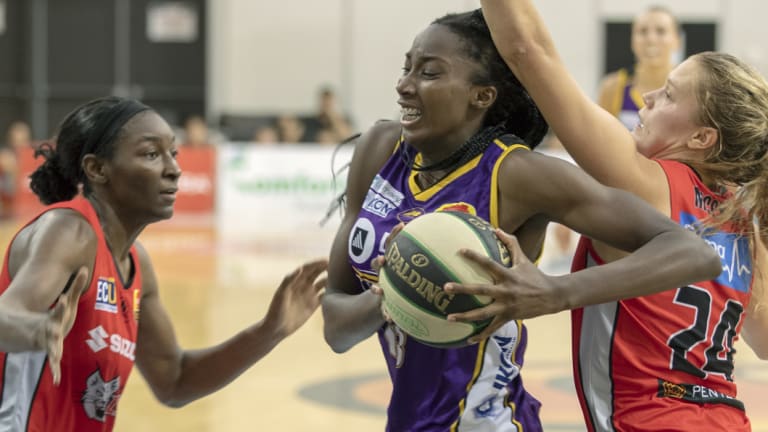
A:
98,352
665,361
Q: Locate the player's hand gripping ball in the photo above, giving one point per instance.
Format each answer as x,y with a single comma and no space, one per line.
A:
422,258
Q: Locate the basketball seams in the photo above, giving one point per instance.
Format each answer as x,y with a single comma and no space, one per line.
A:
420,260
487,237
438,261
399,297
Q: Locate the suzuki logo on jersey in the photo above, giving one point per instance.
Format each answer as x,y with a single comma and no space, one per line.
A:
382,197
733,250
100,339
106,295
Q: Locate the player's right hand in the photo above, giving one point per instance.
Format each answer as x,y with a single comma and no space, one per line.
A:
59,322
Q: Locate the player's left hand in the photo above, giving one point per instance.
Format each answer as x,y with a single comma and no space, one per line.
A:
378,263
520,291
297,297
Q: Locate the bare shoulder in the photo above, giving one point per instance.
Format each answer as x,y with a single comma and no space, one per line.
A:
372,150
58,228
377,144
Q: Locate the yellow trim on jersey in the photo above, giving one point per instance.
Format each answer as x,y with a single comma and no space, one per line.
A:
424,195
512,405
493,209
621,81
366,276
636,97
475,374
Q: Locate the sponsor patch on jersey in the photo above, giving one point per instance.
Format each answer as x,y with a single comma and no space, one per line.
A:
361,241
696,393
733,250
382,197
136,304
100,339
507,370
106,295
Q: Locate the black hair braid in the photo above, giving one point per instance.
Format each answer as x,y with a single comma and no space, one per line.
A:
48,181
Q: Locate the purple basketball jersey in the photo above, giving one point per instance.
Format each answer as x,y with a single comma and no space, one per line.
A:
473,388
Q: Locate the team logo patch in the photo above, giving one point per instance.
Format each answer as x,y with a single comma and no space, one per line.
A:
100,397
106,295
458,206
733,250
410,214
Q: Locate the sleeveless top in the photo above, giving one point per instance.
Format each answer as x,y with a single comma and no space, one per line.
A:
98,352
666,361
628,102
472,388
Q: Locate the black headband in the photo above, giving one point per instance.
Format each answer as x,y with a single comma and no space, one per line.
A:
108,127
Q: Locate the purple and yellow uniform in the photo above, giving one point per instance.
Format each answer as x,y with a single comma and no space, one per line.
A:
471,388
628,102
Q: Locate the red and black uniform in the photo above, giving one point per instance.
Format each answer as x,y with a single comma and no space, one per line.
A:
665,361
98,352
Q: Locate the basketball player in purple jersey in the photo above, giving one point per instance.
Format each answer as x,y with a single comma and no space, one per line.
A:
700,157
655,38
463,142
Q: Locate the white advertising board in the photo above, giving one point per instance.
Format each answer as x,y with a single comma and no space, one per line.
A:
277,196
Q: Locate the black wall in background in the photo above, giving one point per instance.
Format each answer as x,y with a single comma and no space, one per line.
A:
58,54
618,54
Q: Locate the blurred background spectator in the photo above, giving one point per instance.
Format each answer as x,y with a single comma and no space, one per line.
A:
197,133
329,124
17,137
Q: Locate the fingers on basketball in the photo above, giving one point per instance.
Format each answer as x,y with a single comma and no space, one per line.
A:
513,246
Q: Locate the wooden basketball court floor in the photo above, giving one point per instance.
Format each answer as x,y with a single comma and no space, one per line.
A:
212,290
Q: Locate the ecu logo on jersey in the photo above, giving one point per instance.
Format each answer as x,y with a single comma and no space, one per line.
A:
106,295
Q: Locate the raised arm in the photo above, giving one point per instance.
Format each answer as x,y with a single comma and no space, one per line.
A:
596,140
351,316
664,255
178,377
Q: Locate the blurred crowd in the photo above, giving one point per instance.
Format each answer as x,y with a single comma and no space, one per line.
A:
326,125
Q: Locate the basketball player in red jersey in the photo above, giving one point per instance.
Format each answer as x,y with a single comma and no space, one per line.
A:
64,368
699,155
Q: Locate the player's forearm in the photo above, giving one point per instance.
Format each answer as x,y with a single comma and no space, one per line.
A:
350,319
518,31
20,331
669,260
205,371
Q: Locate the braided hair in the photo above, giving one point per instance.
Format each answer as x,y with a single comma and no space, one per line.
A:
513,113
